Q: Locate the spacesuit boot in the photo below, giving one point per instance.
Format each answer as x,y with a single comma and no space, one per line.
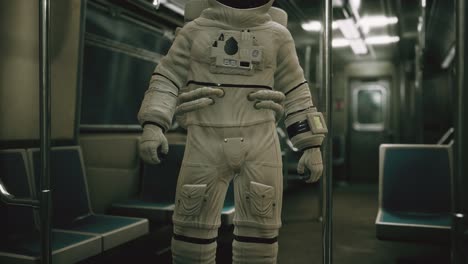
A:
231,72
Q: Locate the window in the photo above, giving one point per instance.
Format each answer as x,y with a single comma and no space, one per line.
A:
119,58
369,108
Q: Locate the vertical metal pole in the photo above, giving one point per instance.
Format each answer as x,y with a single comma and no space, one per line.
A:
327,224
460,141
45,109
307,56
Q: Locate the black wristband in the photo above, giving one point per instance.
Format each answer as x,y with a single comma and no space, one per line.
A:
311,147
153,123
298,128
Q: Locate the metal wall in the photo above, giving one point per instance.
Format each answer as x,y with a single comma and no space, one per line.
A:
19,69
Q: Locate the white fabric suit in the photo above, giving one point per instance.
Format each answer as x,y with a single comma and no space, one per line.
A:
240,51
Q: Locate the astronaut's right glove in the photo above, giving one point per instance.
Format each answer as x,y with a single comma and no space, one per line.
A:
307,129
152,139
197,99
312,160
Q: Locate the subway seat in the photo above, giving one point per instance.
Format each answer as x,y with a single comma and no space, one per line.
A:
156,200
414,193
71,203
19,234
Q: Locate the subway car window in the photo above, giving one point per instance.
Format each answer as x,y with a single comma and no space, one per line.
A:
233,131
119,57
370,107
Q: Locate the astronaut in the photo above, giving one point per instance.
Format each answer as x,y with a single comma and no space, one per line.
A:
229,76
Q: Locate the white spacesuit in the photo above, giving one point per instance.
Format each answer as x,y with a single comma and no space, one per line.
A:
230,73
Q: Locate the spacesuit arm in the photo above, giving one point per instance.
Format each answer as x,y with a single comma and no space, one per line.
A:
160,99
305,125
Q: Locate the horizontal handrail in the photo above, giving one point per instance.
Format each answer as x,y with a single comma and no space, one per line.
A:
146,5
10,199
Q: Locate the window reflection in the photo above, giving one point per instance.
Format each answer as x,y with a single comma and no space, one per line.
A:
370,107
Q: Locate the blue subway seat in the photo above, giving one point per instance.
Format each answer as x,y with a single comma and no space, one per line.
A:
157,193
414,199
71,205
67,247
20,241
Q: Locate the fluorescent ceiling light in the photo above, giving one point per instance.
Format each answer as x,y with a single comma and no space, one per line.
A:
355,4
340,43
348,28
382,40
358,46
366,23
350,31
313,25
369,22
316,26
377,40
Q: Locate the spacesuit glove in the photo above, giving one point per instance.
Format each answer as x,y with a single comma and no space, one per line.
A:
152,138
312,160
266,95
202,92
197,99
266,99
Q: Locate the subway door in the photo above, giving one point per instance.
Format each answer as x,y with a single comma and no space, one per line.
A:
368,127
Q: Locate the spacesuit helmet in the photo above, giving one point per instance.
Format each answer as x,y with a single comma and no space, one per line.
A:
244,4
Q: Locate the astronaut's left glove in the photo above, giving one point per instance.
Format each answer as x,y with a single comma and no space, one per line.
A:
272,100
312,160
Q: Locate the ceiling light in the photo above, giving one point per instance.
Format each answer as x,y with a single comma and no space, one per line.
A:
351,32
334,25
355,4
340,43
382,40
314,25
377,40
358,46
348,28
156,2
377,21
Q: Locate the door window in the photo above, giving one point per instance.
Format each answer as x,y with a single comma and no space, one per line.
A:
369,104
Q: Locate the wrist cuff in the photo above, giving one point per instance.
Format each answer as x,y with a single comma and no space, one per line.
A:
155,124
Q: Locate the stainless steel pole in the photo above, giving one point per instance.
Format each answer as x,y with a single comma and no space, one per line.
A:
45,109
460,141
327,224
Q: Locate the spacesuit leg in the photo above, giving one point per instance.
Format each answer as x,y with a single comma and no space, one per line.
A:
258,200
201,189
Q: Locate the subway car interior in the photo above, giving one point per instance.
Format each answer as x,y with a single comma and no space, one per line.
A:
388,76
